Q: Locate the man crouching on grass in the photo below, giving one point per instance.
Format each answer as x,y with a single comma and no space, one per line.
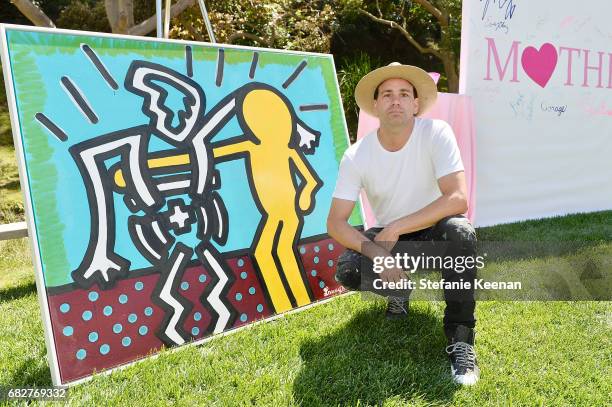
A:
412,174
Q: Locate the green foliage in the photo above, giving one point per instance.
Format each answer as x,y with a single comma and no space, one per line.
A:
6,139
426,30
87,15
11,202
351,71
90,15
423,26
11,14
284,24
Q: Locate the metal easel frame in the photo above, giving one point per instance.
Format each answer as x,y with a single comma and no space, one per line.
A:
166,27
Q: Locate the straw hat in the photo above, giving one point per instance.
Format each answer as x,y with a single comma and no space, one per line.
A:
424,84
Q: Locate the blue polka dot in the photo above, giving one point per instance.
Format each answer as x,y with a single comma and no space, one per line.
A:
87,315
148,311
104,349
302,250
251,290
259,308
93,296
195,331
138,286
93,336
238,296
80,355
126,341
197,316
330,263
243,275
132,318
243,317
317,249
316,259
143,330
321,284
64,308
123,298
330,247
68,331
108,310
184,285
202,278
313,273
117,328
240,262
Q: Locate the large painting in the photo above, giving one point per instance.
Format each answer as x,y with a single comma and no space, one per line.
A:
174,190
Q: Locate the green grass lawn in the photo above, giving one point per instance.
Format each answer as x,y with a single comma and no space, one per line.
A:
344,353
11,202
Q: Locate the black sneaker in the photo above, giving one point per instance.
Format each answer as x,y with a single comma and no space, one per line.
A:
397,308
464,367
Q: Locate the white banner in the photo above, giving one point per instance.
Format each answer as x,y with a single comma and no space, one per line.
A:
540,75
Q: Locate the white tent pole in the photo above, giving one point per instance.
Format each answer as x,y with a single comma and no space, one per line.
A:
158,13
167,19
209,29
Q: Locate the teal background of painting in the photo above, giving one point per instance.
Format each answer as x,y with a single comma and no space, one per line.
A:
38,61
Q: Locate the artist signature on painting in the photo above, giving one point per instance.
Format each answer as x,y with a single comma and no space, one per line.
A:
523,107
327,292
508,4
559,110
497,25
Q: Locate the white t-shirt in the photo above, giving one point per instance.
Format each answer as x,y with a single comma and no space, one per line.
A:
401,182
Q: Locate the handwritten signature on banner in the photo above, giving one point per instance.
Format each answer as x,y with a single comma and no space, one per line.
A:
523,107
508,4
601,110
497,25
559,110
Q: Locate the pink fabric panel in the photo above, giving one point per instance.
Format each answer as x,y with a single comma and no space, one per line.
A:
456,110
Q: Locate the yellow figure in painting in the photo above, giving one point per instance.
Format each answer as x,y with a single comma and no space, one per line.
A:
272,145
271,142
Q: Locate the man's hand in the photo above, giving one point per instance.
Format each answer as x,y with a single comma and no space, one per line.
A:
393,274
387,238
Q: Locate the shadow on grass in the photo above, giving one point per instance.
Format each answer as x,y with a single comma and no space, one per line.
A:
31,373
16,292
371,359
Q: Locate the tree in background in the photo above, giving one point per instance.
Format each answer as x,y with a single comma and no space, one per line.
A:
351,71
362,34
303,25
432,27
117,16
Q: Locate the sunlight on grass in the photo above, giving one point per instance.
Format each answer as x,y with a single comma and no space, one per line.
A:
345,353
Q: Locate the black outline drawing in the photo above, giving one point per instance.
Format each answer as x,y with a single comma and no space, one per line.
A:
253,65
295,74
220,66
99,65
52,127
189,60
77,96
171,272
308,108
147,189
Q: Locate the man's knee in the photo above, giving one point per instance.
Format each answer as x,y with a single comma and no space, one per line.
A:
455,228
348,271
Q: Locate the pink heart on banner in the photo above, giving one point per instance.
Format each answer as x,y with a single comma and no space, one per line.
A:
540,65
